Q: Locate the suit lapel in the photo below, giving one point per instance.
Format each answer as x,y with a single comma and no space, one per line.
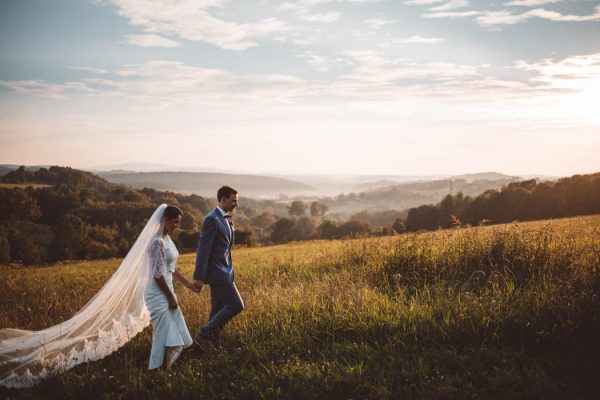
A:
227,231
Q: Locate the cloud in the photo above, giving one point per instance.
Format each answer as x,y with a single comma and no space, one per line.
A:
330,16
577,72
316,61
442,11
40,88
371,68
90,69
493,18
451,14
192,20
303,9
151,41
422,2
366,1
421,40
490,19
172,82
371,77
377,23
452,4
531,3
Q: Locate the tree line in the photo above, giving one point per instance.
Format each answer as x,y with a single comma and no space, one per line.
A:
79,215
72,214
517,201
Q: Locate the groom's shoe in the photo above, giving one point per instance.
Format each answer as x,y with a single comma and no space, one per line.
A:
204,344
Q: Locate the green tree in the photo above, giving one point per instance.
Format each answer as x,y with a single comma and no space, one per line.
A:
17,205
69,240
264,220
328,230
297,208
24,249
282,230
398,226
318,209
354,229
188,222
245,237
305,228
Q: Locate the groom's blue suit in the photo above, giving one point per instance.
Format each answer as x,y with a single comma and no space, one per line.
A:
214,267
213,257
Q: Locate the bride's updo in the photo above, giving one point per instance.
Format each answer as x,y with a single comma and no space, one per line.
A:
172,212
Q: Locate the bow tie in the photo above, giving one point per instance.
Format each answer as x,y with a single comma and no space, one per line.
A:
226,216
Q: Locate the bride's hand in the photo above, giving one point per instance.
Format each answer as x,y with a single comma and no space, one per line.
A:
192,287
173,303
198,286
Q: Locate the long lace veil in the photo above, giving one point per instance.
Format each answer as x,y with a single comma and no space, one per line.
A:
109,320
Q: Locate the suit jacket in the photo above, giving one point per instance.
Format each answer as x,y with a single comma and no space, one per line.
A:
213,257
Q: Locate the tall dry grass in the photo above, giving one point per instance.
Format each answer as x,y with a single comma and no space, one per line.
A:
509,311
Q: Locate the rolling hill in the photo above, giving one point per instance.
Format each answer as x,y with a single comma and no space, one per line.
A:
207,183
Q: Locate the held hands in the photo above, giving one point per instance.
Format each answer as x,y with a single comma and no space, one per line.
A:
198,286
193,287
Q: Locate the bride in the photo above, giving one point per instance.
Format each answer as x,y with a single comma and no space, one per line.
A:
170,334
125,305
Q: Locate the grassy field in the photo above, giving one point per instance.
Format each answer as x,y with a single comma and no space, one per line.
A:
509,311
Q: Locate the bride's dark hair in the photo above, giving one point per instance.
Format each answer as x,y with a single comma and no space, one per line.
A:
172,212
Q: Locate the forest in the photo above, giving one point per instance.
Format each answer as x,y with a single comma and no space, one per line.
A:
59,213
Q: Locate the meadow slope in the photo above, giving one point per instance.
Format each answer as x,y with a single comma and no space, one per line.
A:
507,311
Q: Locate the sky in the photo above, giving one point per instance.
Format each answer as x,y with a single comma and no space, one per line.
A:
394,87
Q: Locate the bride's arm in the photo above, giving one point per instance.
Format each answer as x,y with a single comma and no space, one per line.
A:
162,284
184,280
159,268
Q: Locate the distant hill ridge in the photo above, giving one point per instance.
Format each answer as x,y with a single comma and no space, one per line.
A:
207,183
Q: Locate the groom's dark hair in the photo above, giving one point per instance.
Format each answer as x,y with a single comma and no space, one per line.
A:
225,192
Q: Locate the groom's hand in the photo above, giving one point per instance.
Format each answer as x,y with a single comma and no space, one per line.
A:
198,285
192,287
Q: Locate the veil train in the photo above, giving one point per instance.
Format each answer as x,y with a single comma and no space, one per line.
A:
109,320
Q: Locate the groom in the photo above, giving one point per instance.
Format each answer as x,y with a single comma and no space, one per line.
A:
215,268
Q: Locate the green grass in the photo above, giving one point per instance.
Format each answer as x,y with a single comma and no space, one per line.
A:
508,311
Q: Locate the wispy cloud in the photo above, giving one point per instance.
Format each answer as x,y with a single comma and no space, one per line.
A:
90,69
151,40
531,3
451,14
576,72
421,40
451,5
318,62
444,10
372,77
373,68
304,9
493,18
193,20
330,16
422,2
376,23
39,88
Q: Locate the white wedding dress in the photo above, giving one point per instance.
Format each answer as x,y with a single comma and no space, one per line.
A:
110,319
170,333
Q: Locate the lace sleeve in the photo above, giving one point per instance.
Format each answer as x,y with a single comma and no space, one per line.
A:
158,260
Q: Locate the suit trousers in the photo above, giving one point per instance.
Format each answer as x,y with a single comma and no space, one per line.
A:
226,303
